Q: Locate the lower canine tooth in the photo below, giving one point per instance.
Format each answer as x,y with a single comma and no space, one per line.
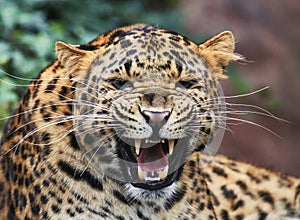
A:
163,173
171,146
142,174
137,144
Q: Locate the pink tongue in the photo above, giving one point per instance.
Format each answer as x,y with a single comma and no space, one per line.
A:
153,158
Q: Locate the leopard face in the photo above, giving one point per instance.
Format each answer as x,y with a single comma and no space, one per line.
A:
145,102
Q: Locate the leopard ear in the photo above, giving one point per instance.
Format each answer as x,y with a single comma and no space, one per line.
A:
68,54
219,51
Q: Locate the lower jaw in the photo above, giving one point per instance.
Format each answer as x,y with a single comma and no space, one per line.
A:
157,185
153,185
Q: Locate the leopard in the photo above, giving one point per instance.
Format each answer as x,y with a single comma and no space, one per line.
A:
121,127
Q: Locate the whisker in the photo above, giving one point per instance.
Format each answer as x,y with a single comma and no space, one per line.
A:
267,113
47,125
247,112
61,103
98,148
45,79
238,96
251,123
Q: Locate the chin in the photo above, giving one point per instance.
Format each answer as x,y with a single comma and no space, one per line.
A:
150,195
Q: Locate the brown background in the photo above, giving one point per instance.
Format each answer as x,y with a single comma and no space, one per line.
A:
267,34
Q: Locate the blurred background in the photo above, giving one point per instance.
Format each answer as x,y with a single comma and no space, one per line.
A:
267,34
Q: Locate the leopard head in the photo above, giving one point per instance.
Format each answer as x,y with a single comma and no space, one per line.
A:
144,100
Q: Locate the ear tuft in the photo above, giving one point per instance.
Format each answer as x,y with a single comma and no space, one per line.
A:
219,51
67,54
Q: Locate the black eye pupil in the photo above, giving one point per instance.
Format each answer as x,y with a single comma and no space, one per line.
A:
187,84
118,83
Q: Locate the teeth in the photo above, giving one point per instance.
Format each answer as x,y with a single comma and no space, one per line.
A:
163,173
142,174
137,144
152,178
153,142
171,146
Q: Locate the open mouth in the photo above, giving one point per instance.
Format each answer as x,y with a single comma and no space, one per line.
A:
154,164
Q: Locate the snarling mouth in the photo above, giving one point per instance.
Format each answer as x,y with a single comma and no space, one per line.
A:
154,164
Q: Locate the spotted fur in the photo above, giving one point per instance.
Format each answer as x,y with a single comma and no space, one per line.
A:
46,174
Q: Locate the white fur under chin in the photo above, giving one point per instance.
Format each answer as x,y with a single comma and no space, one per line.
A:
143,194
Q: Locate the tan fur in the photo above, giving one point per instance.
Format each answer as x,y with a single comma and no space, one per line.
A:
45,173
219,51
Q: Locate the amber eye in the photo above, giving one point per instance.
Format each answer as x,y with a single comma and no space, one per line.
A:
187,83
118,83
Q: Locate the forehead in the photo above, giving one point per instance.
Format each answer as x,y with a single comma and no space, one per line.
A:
149,48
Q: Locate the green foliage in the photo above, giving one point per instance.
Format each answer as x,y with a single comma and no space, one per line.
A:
238,83
30,28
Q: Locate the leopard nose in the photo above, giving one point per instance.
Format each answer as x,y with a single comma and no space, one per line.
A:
156,119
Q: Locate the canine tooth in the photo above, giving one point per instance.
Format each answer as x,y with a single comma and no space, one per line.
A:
142,174
163,173
137,144
146,141
162,140
171,146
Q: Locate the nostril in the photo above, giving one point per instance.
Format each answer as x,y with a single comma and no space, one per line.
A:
156,119
167,116
147,118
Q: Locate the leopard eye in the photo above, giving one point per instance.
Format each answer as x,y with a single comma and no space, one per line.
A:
187,83
118,83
